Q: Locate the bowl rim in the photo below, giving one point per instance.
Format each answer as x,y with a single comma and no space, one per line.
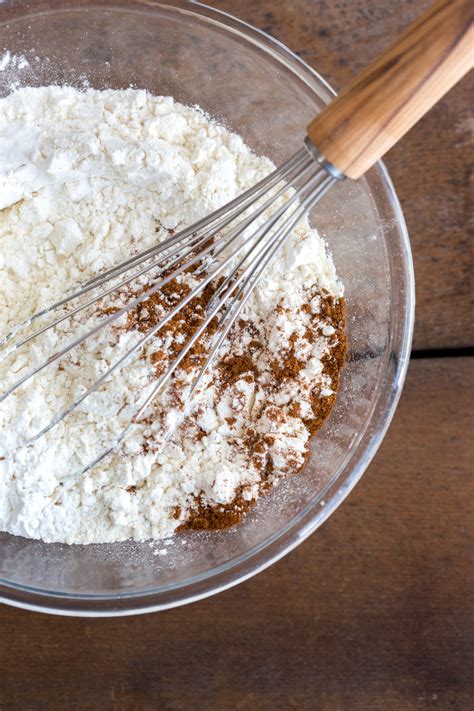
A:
303,524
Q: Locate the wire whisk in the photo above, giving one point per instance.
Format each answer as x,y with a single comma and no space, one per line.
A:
238,241
219,244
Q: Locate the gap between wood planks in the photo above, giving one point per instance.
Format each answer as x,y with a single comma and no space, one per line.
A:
467,351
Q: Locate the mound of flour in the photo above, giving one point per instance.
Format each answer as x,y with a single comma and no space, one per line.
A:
86,179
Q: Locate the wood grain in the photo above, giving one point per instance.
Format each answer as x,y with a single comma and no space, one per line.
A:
399,87
374,612
431,167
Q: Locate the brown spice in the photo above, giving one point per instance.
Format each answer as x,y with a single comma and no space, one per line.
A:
289,368
133,488
206,517
332,363
234,367
219,517
182,326
295,409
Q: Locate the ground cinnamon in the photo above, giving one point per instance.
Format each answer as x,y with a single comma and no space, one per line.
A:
239,366
206,517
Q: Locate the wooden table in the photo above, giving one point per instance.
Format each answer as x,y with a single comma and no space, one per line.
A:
375,611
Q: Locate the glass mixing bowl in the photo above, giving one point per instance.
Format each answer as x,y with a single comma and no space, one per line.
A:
259,89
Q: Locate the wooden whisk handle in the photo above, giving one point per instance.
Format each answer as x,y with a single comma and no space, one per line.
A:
397,89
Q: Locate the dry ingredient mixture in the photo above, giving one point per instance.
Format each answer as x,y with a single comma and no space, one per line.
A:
88,178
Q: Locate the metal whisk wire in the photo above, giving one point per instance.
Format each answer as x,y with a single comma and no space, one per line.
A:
201,245
164,266
351,134
187,237
239,299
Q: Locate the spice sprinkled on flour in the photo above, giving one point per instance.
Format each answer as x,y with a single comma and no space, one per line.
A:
87,178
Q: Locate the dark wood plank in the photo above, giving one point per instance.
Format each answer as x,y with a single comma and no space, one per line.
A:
373,612
431,168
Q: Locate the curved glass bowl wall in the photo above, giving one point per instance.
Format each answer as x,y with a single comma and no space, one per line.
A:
259,89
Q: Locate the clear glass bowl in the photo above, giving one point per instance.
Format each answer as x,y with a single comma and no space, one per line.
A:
261,90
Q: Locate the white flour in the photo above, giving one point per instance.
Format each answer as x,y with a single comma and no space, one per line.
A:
86,179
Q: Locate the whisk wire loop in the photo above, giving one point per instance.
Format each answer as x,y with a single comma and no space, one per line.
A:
209,249
224,240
